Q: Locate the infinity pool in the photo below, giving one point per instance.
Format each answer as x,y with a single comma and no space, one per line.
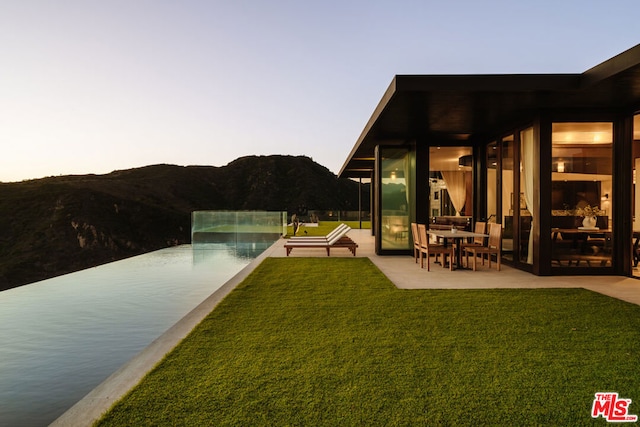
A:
60,338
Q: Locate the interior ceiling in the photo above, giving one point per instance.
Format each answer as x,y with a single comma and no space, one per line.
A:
456,109
582,133
447,158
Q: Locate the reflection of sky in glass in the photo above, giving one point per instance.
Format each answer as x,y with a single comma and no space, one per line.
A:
63,336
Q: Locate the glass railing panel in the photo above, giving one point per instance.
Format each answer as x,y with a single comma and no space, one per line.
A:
238,229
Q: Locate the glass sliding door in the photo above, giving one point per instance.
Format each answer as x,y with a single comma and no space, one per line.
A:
581,194
394,192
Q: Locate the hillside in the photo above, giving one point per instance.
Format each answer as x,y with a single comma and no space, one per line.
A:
57,225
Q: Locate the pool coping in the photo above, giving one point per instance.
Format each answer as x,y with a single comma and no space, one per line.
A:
98,401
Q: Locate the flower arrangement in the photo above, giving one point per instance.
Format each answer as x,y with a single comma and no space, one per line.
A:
588,211
585,211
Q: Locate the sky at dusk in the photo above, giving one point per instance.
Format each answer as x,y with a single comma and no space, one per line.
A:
97,86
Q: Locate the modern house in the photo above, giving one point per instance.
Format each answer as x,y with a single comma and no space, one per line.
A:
536,153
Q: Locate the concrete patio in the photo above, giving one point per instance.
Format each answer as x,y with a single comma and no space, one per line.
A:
406,274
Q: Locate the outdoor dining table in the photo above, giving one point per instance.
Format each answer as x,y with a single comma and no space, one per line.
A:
457,237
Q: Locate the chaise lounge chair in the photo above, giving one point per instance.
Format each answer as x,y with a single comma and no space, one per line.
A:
329,236
337,240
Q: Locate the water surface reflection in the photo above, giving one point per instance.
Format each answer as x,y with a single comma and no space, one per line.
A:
63,336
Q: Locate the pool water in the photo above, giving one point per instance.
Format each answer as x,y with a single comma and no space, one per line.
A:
61,337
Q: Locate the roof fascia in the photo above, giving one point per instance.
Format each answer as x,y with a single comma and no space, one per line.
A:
386,98
487,82
619,63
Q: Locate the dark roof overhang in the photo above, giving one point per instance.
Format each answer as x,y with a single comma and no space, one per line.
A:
451,108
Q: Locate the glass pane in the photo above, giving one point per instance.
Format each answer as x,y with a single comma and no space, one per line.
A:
581,197
492,181
240,230
451,183
394,201
507,197
527,159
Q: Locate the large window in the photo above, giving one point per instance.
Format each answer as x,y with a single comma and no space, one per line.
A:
581,196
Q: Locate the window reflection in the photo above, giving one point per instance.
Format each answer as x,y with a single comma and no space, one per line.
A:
395,170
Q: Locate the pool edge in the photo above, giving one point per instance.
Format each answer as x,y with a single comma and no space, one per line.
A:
92,406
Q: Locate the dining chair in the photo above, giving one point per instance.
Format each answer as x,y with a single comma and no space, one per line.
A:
494,246
428,249
480,228
416,241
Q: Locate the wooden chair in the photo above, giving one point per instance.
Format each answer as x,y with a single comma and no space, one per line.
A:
428,249
480,228
416,241
494,246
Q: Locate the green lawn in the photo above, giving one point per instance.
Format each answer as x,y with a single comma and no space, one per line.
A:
330,341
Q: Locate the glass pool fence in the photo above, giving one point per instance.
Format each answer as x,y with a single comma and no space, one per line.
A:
243,229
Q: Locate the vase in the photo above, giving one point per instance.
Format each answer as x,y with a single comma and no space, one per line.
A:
589,222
